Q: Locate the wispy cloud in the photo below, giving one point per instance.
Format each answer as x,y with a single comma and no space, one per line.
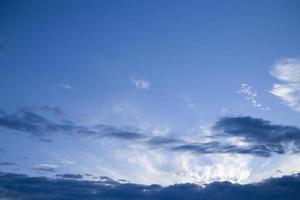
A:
288,72
262,138
30,122
251,95
65,86
139,83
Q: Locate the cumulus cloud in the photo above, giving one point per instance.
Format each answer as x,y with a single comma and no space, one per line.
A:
251,95
140,84
288,72
19,186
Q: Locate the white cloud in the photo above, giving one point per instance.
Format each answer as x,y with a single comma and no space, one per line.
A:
288,71
251,96
66,86
209,168
140,84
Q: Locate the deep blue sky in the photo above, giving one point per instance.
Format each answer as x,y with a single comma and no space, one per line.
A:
161,67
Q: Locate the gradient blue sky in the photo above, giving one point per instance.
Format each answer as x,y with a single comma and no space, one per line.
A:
160,67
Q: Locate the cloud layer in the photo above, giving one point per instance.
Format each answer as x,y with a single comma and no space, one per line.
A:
257,136
19,186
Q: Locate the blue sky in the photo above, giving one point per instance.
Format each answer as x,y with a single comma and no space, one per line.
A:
173,70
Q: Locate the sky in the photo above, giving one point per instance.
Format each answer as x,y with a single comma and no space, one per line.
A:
151,92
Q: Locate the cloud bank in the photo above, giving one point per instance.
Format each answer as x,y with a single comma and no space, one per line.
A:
19,186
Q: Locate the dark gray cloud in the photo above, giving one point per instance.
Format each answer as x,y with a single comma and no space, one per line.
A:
110,131
262,135
5,163
28,121
45,168
18,186
69,176
262,138
159,141
216,147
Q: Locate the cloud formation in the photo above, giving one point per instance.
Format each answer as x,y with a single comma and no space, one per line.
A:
259,137
140,84
19,186
288,72
69,176
28,121
45,168
250,95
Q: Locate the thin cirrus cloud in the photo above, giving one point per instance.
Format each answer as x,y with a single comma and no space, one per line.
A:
288,72
260,137
20,186
251,95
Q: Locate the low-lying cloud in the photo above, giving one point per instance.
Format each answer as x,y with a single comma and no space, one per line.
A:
19,186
